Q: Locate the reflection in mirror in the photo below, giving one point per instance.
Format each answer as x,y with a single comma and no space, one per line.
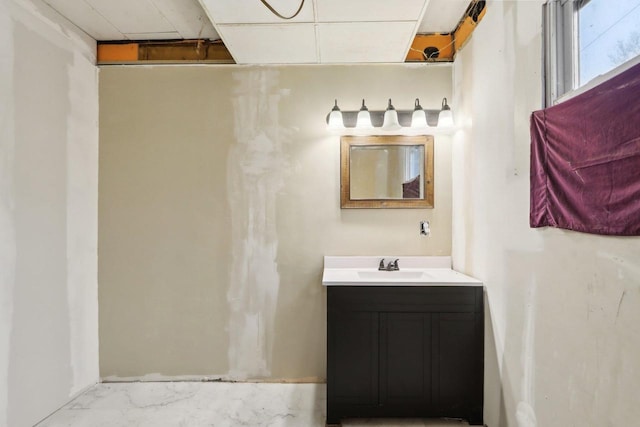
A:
387,171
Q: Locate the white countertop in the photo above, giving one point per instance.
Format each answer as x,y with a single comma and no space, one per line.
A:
414,271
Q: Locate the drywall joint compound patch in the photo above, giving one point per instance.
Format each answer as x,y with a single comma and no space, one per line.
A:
256,166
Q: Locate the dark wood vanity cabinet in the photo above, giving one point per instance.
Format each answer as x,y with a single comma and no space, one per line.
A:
405,352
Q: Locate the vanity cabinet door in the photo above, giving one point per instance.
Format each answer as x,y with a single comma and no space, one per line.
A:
458,365
353,341
405,362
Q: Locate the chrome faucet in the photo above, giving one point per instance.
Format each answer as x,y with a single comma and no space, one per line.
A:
392,266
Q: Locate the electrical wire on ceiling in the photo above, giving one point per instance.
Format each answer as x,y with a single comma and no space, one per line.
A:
435,54
275,12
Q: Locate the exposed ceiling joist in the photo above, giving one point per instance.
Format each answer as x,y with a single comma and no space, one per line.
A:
181,51
443,47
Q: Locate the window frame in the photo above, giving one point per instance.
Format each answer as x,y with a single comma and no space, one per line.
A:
560,38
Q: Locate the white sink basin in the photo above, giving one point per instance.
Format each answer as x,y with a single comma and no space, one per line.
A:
414,271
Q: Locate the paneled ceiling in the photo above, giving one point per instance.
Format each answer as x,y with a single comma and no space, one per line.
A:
325,31
137,19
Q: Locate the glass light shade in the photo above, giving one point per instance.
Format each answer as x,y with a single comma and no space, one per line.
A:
445,118
390,121
335,118
364,118
419,117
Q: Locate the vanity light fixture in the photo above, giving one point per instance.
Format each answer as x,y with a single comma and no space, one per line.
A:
390,120
445,118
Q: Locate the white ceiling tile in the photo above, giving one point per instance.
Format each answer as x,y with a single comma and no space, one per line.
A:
270,44
364,41
369,10
139,16
87,19
442,16
153,36
188,18
253,11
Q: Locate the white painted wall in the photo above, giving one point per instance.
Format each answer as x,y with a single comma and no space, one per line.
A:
563,345
48,212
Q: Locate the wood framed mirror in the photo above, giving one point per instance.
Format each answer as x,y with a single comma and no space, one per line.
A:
386,172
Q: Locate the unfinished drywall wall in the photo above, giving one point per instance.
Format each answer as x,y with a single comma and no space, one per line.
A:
219,196
48,212
563,307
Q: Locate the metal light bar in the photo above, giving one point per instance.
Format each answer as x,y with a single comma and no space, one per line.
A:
377,118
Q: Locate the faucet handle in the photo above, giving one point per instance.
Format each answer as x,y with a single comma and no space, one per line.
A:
395,265
381,265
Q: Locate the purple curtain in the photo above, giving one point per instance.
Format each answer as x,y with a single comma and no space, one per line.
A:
585,160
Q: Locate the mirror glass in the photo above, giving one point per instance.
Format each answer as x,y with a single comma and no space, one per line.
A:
387,172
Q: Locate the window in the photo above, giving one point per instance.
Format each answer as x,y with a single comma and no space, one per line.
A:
585,39
609,35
